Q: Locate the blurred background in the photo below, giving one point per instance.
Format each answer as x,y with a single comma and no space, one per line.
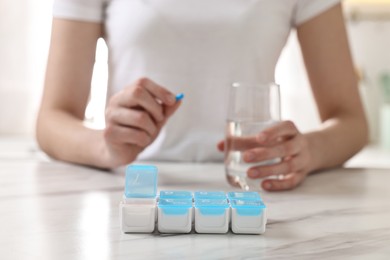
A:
24,40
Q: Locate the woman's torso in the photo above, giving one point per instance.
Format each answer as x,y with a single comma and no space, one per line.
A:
198,47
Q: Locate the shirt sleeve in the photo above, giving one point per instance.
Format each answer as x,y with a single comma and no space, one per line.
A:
307,9
81,10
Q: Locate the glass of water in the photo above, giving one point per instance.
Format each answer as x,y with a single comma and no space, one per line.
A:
252,107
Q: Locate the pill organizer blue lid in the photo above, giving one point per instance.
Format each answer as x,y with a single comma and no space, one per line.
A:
236,203
209,195
244,195
248,207
213,203
141,181
179,194
211,206
175,206
177,203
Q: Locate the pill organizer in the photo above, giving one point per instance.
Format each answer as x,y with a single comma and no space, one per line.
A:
176,194
175,215
212,216
209,195
138,206
249,195
142,209
248,216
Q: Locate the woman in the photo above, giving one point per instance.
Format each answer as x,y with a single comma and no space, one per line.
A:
159,48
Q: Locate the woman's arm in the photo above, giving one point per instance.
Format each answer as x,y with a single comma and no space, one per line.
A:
60,130
333,79
344,128
134,116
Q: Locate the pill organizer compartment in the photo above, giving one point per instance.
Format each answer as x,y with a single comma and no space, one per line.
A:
176,194
211,215
175,215
209,195
212,211
244,195
248,216
138,206
138,217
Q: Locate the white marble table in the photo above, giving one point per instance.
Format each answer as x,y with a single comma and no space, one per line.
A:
53,210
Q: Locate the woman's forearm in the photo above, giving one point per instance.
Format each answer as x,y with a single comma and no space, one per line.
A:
337,141
64,137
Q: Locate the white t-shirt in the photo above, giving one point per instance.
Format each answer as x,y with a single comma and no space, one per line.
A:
198,47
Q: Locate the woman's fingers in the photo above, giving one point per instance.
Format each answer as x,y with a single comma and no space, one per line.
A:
276,133
132,118
286,182
170,110
288,148
285,167
282,141
221,146
159,92
148,95
269,137
144,105
125,135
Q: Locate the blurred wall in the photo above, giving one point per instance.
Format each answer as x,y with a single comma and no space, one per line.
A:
24,40
368,27
24,34
369,31
298,102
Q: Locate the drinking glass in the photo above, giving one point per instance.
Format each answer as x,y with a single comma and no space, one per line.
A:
252,107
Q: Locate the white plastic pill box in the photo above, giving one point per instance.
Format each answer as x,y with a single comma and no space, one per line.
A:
175,215
212,215
138,206
248,216
178,211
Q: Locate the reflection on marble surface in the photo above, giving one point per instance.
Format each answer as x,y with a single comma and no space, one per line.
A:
53,210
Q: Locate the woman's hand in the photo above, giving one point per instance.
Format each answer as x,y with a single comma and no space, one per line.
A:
134,117
344,129
282,140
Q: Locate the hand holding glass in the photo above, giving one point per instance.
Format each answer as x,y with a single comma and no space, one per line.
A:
252,108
